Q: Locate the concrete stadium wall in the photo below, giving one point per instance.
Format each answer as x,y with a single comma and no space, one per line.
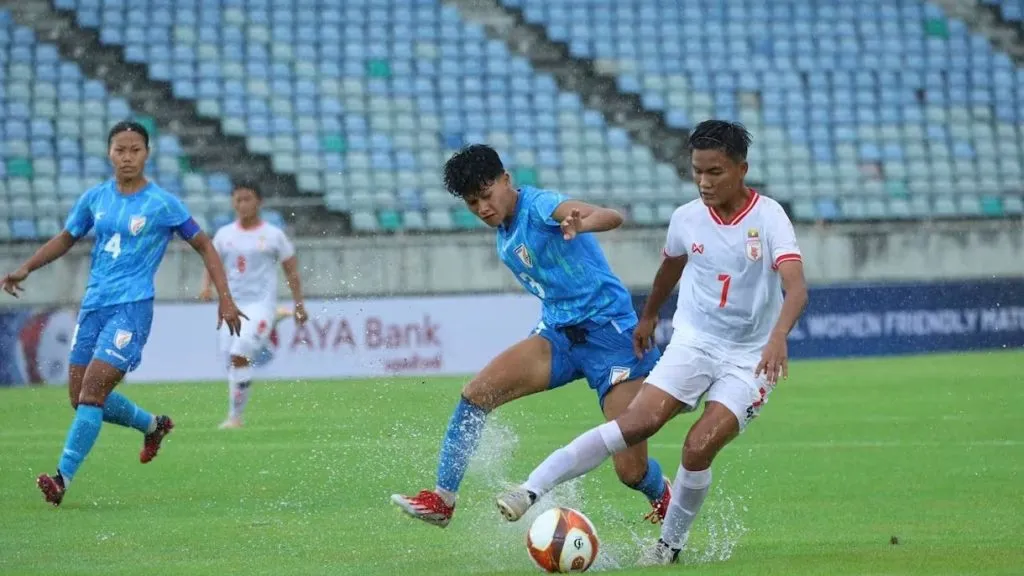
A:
461,263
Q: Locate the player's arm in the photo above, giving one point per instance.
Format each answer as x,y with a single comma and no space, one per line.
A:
291,276
182,224
206,288
795,301
227,310
53,249
665,279
214,273
787,262
290,265
78,224
585,217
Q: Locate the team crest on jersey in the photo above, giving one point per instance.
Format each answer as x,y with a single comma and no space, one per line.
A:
122,338
619,374
136,224
524,255
753,245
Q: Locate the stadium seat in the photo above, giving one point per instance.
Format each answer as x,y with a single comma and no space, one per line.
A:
853,95
54,127
865,100
323,102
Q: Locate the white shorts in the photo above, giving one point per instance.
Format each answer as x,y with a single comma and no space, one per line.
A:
255,333
688,373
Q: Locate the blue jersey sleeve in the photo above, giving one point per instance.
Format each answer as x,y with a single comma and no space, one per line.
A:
544,205
178,218
80,219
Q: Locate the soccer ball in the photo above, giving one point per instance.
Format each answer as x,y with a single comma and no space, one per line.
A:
562,540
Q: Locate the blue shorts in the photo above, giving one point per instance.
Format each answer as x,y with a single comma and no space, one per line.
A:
114,334
601,353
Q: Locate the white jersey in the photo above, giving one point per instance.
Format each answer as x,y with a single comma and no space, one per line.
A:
730,295
251,258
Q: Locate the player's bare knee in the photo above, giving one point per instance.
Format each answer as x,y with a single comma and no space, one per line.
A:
700,448
92,396
483,394
638,425
697,460
239,361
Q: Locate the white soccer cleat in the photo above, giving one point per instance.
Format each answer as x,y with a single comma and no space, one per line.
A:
660,554
514,503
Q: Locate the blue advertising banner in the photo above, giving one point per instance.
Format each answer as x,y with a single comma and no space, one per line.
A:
888,319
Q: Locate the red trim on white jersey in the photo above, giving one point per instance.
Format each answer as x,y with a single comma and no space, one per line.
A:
751,201
790,257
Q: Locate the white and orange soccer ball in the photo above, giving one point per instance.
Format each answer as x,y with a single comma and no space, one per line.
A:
562,540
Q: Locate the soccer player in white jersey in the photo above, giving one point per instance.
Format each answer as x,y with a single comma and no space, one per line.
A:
251,249
729,343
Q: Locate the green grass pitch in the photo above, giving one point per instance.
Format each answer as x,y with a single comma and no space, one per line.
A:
846,455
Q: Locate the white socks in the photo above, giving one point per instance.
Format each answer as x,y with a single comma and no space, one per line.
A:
239,380
688,492
582,455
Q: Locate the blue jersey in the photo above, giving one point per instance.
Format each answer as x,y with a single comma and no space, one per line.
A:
132,232
572,278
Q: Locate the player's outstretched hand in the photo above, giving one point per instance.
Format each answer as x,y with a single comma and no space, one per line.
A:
572,224
12,282
228,312
774,361
643,336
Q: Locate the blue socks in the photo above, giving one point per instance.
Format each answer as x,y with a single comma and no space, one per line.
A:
463,435
653,484
81,438
123,412
460,441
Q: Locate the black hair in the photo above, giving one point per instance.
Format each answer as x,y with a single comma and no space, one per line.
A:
731,138
248,185
472,169
128,126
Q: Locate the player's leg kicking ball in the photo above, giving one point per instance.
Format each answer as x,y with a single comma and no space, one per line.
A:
586,328
729,342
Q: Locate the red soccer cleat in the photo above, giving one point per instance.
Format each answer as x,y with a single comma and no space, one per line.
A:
427,506
151,443
660,506
52,487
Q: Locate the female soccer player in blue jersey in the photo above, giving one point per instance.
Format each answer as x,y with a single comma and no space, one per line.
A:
586,328
134,220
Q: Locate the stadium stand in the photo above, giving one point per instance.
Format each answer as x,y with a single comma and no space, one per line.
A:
367,124
863,109
54,131
1009,10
